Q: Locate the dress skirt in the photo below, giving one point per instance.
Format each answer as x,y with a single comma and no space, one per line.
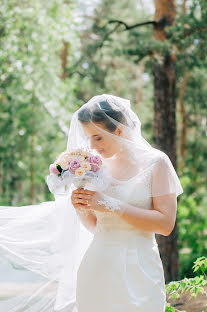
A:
121,271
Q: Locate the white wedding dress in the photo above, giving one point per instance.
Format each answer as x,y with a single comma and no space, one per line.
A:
121,270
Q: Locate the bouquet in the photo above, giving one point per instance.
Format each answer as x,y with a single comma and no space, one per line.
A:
79,167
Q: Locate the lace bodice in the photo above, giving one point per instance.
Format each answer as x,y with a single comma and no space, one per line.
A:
135,191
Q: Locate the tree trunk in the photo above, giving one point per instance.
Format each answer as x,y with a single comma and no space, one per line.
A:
183,140
184,6
63,57
165,124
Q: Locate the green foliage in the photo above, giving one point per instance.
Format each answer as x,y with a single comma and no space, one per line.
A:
193,286
192,220
32,95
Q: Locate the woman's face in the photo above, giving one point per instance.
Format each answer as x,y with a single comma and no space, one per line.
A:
104,143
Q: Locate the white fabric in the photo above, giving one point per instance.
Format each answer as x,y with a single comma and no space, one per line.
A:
122,269
49,241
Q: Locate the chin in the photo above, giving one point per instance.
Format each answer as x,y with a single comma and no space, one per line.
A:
106,155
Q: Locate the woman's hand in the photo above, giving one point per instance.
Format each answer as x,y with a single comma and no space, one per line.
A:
80,198
86,199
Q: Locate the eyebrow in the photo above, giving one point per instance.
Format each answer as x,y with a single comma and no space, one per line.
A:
95,135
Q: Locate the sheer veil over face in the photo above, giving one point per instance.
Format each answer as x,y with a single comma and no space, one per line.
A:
107,124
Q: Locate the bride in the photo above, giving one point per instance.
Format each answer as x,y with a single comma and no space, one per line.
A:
93,250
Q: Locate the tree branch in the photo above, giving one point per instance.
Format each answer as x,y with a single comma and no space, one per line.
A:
161,23
107,35
127,27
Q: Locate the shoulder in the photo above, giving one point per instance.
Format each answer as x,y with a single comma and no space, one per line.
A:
159,153
161,157
162,162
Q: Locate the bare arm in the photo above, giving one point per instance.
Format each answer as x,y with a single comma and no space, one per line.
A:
160,219
162,215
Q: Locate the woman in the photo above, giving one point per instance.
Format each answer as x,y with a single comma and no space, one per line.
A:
102,255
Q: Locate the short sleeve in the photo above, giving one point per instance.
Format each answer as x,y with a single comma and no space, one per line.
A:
164,178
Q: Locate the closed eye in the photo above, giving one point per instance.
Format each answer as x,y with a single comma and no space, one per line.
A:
98,139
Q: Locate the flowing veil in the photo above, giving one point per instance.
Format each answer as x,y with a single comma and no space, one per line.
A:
38,247
41,246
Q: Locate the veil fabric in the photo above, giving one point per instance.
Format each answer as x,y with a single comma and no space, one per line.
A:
48,240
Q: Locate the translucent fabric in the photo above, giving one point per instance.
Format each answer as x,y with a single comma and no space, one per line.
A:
165,180
38,247
135,154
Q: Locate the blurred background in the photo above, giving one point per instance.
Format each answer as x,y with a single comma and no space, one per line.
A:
55,55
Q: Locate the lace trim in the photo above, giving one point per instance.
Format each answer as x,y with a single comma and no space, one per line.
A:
111,203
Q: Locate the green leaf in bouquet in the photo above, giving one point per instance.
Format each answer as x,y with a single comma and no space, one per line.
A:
59,168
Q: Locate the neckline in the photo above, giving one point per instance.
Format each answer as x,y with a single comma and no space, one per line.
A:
132,178
124,181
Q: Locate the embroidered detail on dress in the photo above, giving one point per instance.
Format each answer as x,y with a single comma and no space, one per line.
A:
111,203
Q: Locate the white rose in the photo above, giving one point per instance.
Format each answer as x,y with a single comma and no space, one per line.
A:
85,165
64,164
79,171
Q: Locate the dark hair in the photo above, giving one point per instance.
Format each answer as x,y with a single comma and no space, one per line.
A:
98,115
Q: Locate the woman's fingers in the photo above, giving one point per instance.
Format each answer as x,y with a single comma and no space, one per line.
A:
84,191
81,196
81,201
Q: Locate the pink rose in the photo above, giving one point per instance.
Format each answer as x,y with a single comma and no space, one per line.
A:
53,169
74,164
95,160
94,167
